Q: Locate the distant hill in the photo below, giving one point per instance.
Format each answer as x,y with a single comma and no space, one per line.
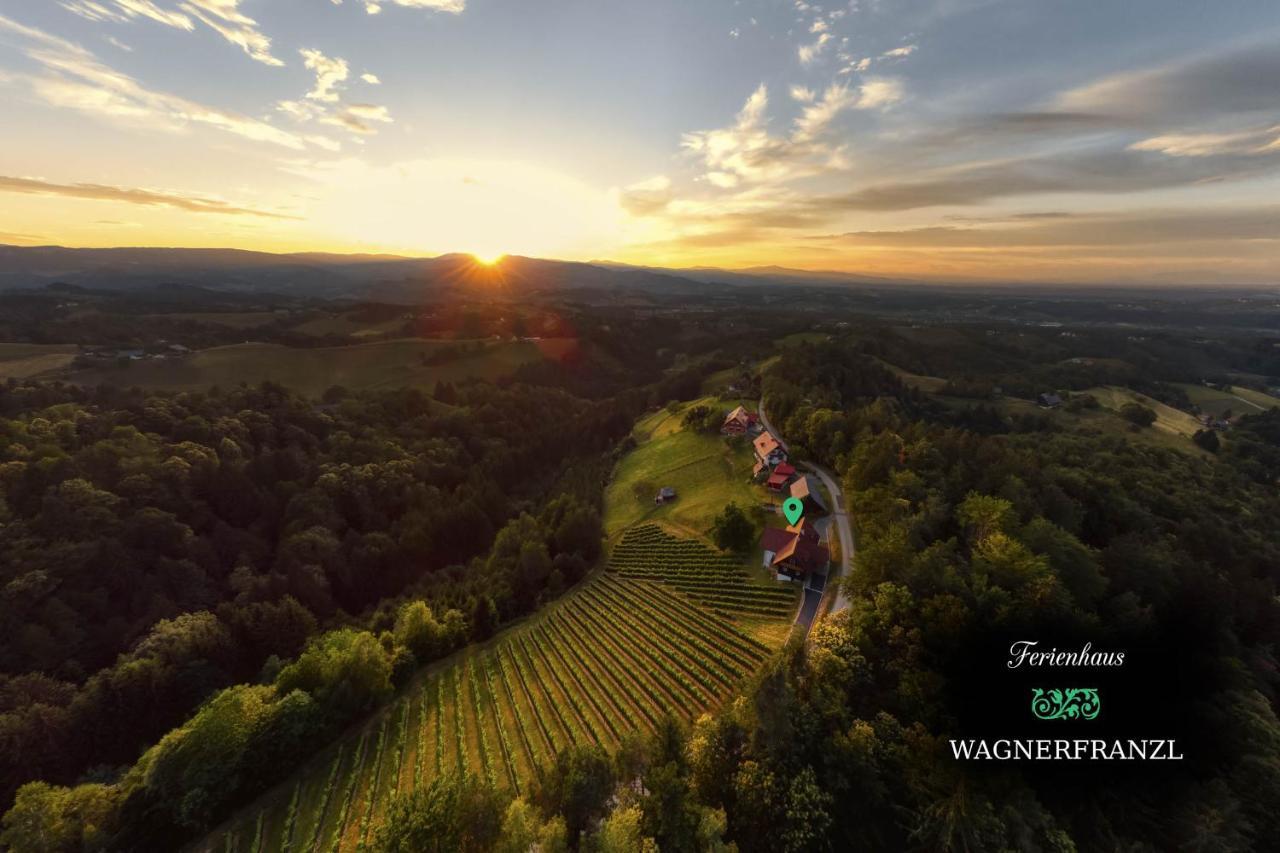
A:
380,277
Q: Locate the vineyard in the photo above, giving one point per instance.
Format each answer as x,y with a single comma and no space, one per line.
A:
616,656
715,580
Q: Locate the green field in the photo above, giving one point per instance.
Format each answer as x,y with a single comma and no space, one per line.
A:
22,361
348,325
703,469
1240,401
226,319
1172,430
927,384
388,364
613,658
803,338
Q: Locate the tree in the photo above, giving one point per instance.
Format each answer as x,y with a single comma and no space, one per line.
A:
578,786
1138,414
453,815
622,832
347,671
416,628
732,530
60,820
1208,439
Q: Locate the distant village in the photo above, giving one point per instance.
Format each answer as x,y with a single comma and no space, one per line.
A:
159,351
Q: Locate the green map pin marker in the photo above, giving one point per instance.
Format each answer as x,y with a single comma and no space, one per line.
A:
793,508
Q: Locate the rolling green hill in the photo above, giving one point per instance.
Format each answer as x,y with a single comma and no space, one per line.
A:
387,364
672,627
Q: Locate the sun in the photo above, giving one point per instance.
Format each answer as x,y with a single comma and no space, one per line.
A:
488,259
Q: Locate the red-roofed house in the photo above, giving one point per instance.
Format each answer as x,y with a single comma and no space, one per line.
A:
794,552
806,489
768,449
738,422
805,529
780,477
800,558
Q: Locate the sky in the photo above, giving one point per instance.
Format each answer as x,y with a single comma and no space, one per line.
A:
998,140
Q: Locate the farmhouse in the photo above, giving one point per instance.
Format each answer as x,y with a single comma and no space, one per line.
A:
768,449
806,489
738,422
665,495
794,552
780,477
773,540
1048,401
800,558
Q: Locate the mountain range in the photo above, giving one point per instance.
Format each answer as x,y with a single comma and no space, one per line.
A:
386,277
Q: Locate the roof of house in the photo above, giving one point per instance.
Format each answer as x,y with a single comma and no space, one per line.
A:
786,469
738,414
802,554
765,443
805,529
667,492
775,539
804,487
776,480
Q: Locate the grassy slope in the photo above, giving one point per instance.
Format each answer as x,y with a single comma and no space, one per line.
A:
388,364
1172,430
346,324
20,361
229,319
705,473
927,384
1241,401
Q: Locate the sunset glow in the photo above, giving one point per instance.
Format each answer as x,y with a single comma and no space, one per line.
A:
877,138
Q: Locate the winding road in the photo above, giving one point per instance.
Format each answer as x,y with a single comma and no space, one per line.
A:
840,515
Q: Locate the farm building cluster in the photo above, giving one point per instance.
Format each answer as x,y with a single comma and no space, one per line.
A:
796,551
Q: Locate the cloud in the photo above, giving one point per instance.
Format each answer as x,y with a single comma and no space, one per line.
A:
1261,140
1095,171
456,7
647,197
1128,228
225,17
803,94
1234,81
371,79
330,73
76,79
323,102
809,53
816,119
222,16
747,153
150,198
875,92
92,11
900,52
148,9
357,117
